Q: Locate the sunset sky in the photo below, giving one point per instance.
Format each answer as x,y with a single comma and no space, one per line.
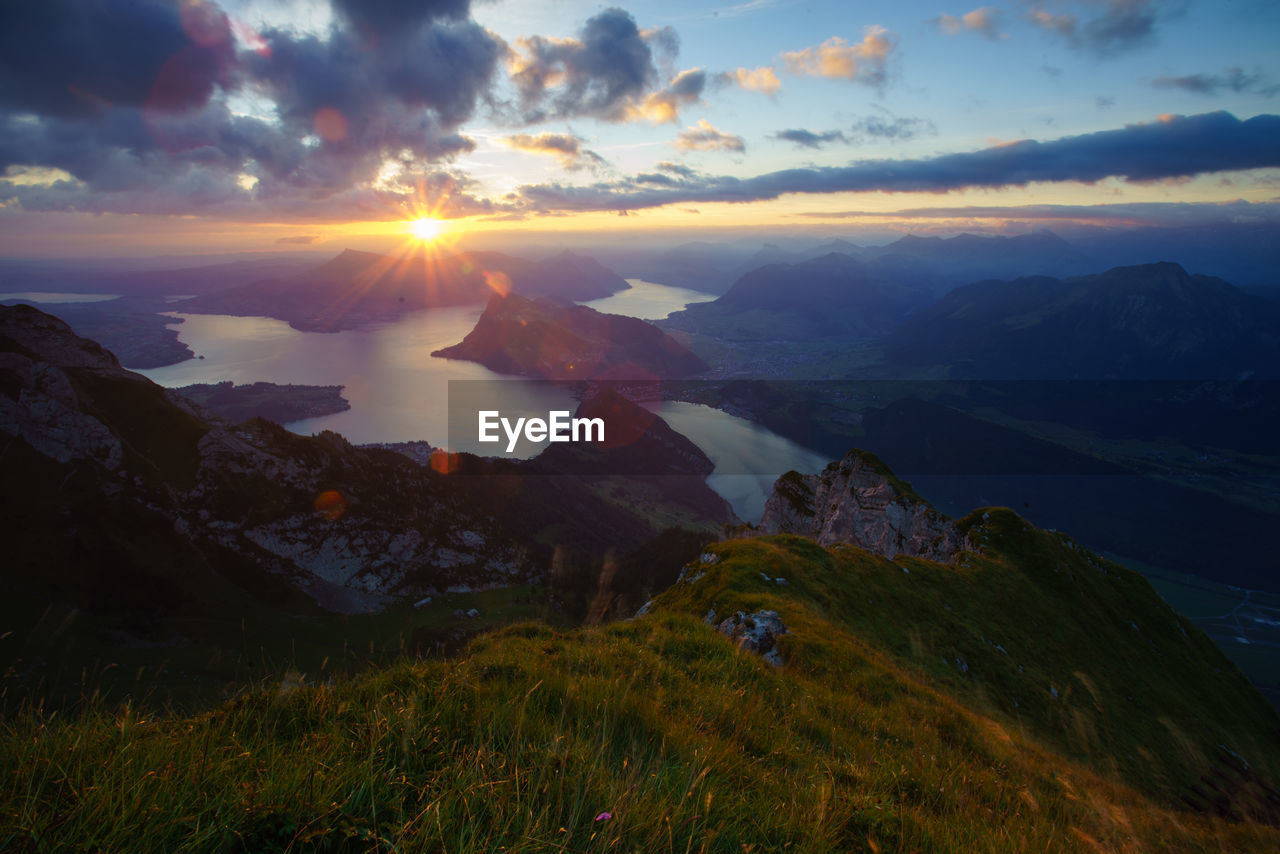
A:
166,127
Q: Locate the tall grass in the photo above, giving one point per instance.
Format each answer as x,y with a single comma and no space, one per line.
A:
651,735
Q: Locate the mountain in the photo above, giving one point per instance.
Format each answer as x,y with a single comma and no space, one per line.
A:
858,500
549,340
1153,321
272,401
568,277
938,264
158,501
357,288
133,328
1023,694
158,507
94,277
834,296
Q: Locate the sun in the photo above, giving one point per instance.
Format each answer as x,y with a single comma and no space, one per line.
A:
424,229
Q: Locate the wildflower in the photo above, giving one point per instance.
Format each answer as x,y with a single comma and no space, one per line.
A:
604,816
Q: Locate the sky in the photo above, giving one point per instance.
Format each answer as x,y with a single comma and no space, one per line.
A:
167,126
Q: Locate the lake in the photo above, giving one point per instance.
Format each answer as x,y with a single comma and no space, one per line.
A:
399,392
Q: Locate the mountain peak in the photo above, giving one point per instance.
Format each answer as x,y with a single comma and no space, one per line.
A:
858,500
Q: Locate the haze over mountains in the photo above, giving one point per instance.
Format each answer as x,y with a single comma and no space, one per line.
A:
1150,322
357,288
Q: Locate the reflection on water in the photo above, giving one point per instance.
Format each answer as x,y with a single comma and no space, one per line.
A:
648,300
748,457
399,392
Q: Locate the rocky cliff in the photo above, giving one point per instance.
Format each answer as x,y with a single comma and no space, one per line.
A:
122,487
858,500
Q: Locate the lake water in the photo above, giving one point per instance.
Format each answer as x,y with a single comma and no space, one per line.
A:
648,300
399,392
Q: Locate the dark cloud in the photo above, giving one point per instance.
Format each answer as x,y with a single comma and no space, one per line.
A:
1231,80
883,127
1103,102
676,168
1172,147
1128,213
85,57
391,18
1107,27
808,139
128,98
565,147
608,72
892,128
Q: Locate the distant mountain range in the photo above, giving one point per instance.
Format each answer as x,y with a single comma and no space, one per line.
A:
357,288
932,264
1153,321
832,296
548,340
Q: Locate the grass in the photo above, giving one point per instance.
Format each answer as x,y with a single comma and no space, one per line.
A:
864,740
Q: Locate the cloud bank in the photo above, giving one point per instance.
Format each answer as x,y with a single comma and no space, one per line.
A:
1171,147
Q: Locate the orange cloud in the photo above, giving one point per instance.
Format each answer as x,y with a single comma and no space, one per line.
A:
762,79
865,61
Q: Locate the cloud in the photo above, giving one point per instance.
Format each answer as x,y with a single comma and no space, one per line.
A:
1231,80
84,57
142,124
676,169
984,20
299,239
866,62
704,137
388,19
1120,26
1104,102
808,139
1128,213
664,105
608,73
763,79
892,128
1169,148
566,148
883,127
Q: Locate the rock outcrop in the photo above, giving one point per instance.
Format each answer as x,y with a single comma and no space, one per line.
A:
857,500
758,633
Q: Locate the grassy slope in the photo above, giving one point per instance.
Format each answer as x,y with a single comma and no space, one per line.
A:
865,740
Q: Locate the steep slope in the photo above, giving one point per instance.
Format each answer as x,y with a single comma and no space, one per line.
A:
1153,321
549,340
132,471
140,519
1029,697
